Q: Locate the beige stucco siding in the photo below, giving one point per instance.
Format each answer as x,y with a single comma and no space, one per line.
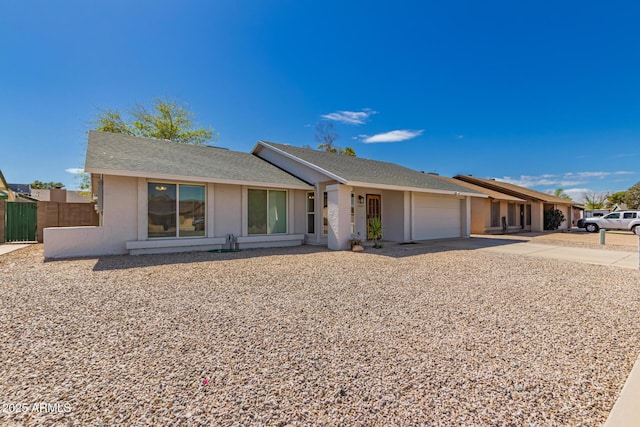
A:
393,215
227,217
480,215
119,224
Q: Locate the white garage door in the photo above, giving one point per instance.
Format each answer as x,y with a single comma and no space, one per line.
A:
436,217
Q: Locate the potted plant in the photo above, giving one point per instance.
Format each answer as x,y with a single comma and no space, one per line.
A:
374,232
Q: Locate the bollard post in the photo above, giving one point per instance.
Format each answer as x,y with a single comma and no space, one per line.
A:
602,233
638,233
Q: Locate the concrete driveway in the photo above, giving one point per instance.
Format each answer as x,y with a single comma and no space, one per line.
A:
525,246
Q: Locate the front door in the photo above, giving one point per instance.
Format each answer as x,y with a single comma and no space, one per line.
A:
373,208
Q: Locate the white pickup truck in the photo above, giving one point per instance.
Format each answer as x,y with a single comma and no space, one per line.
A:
622,220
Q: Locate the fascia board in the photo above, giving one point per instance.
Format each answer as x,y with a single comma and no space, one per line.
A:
178,178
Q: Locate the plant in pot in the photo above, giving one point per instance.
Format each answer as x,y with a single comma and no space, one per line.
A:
374,232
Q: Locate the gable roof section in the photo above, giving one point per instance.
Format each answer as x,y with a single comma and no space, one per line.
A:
20,188
491,193
514,190
125,155
364,172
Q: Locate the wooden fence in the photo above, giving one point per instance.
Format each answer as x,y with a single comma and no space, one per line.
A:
58,214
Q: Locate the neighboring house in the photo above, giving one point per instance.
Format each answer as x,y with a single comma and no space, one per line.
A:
349,191
6,193
526,215
22,189
487,214
11,192
160,196
60,195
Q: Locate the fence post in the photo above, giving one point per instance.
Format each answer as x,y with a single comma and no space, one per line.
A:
638,233
3,204
602,234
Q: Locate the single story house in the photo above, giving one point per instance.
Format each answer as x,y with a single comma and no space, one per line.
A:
349,191
5,192
161,196
488,215
526,214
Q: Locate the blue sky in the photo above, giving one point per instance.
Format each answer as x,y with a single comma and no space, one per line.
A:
543,94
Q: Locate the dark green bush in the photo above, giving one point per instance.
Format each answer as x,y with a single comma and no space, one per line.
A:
552,219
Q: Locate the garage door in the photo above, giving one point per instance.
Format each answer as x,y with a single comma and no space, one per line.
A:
436,217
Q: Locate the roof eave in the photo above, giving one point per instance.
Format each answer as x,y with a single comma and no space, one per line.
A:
169,177
415,189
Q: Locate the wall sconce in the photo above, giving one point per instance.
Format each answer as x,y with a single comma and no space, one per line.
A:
360,199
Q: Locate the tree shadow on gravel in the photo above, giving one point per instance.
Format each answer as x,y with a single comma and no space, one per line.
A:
123,262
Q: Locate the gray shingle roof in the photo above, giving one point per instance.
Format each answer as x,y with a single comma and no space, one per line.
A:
130,155
514,190
357,169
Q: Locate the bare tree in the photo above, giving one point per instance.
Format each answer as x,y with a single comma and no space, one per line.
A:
325,136
594,200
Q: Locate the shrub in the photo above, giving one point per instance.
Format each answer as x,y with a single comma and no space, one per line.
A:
552,219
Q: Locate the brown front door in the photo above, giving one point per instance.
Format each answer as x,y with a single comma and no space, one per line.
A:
373,208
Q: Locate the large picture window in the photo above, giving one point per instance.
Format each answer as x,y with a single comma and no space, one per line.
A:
175,210
267,212
511,213
495,214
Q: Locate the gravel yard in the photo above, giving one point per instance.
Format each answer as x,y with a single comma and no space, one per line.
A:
305,336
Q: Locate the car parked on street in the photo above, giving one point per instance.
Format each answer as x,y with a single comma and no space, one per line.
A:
621,220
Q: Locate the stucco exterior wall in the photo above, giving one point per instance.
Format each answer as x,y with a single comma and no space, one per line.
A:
227,217
120,224
299,198
393,215
339,216
480,215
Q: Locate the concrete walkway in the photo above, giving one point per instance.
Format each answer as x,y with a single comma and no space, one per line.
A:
5,248
519,246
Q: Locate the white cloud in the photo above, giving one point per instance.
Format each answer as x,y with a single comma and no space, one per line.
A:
74,170
350,117
393,136
561,180
577,194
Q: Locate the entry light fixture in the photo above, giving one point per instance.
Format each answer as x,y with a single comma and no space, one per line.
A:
360,198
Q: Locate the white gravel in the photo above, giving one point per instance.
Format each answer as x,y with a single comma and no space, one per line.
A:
305,336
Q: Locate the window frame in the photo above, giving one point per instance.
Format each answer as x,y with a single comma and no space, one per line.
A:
494,221
178,184
310,214
286,208
511,214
